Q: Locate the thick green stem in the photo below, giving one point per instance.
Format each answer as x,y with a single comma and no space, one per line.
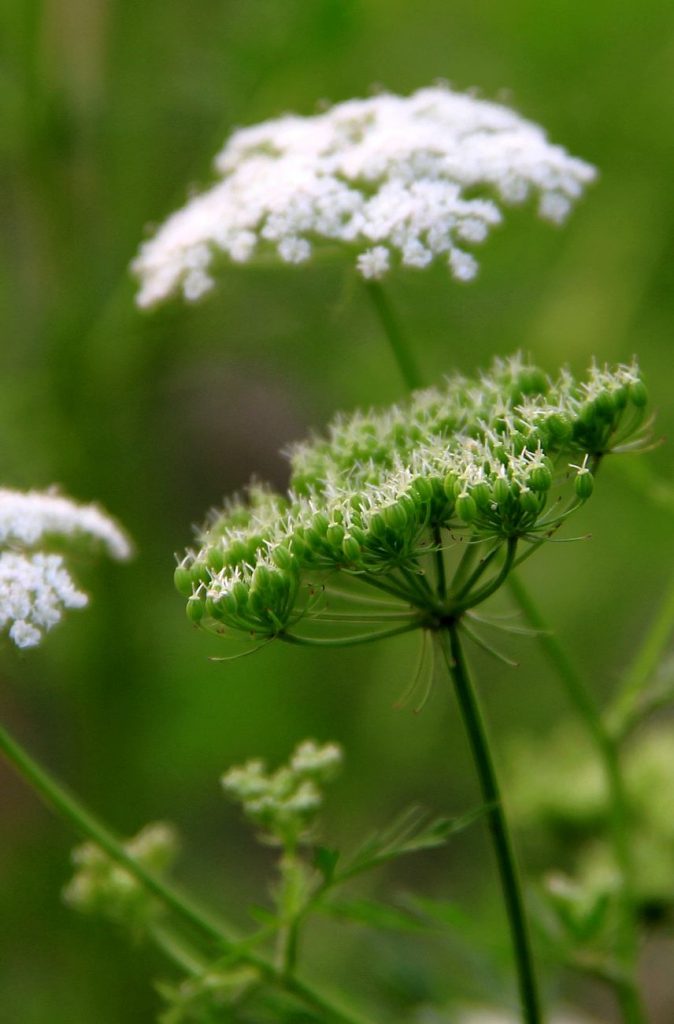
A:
581,698
498,825
401,349
66,805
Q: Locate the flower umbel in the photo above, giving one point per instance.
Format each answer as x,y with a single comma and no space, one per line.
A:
398,179
35,585
477,467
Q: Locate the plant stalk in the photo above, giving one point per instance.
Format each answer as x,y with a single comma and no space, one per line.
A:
70,808
498,825
402,352
581,698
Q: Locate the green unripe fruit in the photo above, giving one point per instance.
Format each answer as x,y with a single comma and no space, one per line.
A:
558,428
620,396
466,508
215,559
320,523
378,526
395,518
261,581
239,595
584,484
182,578
501,490
195,609
282,557
335,535
213,609
605,406
638,394
237,552
533,381
200,574
540,479
481,495
452,486
422,488
530,503
351,549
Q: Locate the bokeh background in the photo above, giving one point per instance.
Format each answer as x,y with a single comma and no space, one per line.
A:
110,111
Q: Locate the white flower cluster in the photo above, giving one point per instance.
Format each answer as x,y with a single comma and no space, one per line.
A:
286,801
35,585
392,177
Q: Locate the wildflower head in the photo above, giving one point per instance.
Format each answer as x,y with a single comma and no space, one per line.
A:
101,886
384,498
397,180
35,584
284,803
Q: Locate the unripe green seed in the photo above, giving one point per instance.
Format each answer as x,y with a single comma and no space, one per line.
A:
501,490
540,478
481,495
584,484
423,489
605,406
378,526
530,502
395,518
466,508
320,523
215,559
452,486
200,574
335,535
638,394
282,557
213,609
182,578
351,549
195,609
262,579
558,428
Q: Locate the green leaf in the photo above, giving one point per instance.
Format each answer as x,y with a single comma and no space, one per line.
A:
408,833
374,914
325,860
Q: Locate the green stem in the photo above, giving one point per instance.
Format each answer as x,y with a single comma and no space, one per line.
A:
498,825
472,600
58,798
645,663
401,349
581,698
441,576
348,641
178,951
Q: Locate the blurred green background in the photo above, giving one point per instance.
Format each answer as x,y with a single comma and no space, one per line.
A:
110,111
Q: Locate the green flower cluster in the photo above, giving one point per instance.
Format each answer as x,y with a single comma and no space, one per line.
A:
387,493
100,886
285,803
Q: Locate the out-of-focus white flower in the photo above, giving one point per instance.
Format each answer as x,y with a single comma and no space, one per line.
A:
35,585
412,178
